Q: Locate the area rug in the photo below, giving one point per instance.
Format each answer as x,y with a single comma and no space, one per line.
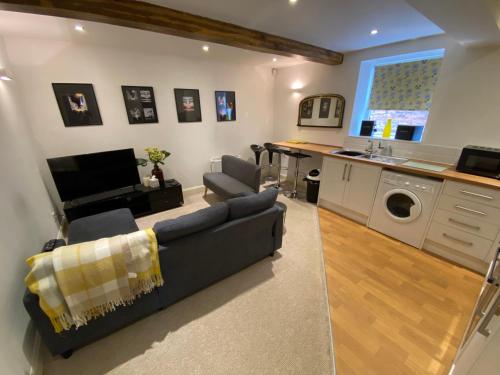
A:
270,318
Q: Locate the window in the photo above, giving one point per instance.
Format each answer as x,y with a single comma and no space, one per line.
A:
398,88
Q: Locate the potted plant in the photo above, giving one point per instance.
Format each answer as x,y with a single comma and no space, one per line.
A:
155,156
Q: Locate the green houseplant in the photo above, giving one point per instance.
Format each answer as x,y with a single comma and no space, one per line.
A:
155,156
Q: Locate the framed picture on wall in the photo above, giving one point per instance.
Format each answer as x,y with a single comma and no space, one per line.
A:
140,104
77,104
324,107
322,111
225,105
306,108
187,102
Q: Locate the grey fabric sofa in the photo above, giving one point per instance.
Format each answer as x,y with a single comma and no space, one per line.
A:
238,178
195,250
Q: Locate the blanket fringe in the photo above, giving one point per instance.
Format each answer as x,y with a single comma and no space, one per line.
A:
65,321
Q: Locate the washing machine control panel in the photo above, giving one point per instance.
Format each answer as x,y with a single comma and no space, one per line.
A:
408,183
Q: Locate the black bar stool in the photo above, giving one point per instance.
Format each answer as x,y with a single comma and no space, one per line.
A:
272,149
297,155
257,149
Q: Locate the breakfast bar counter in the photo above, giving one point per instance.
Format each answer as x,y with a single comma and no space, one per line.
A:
448,174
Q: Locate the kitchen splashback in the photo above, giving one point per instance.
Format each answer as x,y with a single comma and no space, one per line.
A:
411,150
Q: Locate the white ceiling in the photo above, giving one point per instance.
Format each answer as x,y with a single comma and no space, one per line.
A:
25,29
470,22
340,25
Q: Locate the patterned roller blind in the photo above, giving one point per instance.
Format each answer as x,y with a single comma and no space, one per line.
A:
407,86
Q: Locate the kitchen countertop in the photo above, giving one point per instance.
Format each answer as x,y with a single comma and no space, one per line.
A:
449,174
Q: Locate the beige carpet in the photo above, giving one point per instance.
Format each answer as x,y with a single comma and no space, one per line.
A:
271,318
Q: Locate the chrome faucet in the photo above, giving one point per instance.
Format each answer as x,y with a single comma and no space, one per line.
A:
369,147
385,150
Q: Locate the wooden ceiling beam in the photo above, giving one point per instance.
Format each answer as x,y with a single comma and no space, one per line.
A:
146,16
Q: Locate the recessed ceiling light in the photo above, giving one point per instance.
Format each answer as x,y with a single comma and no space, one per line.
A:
275,59
374,32
292,2
205,48
79,28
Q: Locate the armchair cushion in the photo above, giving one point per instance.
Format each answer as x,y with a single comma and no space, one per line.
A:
225,185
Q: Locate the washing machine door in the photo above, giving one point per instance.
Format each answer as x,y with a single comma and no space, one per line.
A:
402,205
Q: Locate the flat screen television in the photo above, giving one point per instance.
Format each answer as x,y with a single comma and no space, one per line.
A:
78,176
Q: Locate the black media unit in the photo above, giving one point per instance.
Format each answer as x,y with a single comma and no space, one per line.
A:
141,200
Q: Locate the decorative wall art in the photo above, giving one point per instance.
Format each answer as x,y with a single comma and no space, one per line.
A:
188,105
324,108
306,108
322,111
140,104
77,104
225,105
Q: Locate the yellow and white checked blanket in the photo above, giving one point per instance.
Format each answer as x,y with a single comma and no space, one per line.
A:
80,282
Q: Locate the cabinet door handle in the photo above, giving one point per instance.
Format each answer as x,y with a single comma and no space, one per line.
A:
483,328
470,210
446,235
476,194
490,277
475,227
349,174
343,174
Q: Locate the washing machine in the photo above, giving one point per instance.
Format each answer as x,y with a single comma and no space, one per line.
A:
403,206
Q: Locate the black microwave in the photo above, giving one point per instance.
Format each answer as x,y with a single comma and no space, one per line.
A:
481,161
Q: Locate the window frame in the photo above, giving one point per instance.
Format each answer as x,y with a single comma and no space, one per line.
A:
365,83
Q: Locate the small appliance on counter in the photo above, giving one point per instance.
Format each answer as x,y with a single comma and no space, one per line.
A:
481,161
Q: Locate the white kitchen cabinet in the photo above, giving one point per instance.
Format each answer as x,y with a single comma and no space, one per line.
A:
348,187
361,186
333,181
465,227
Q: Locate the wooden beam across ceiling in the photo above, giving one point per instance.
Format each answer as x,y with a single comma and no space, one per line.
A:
146,16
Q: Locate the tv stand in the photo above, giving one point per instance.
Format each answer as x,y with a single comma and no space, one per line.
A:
141,200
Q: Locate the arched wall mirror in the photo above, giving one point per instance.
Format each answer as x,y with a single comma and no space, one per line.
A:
322,111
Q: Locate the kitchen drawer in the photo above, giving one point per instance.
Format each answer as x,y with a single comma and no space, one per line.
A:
473,193
471,209
458,240
466,224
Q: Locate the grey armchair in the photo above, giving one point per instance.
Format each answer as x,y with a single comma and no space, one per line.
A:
238,178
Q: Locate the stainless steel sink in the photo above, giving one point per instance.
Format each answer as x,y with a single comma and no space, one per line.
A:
349,153
383,159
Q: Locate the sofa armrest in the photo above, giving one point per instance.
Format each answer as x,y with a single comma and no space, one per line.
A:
278,228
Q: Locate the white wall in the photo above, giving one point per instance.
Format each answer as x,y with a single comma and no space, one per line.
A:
41,62
26,224
465,108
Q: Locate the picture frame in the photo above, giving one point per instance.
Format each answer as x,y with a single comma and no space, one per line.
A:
306,108
321,111
187,102
140,104
77,104
225,106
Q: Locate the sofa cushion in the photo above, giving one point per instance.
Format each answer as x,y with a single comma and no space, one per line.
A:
225,185
168,230
106,224
251,204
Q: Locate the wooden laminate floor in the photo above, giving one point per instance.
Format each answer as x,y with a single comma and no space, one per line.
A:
395,309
